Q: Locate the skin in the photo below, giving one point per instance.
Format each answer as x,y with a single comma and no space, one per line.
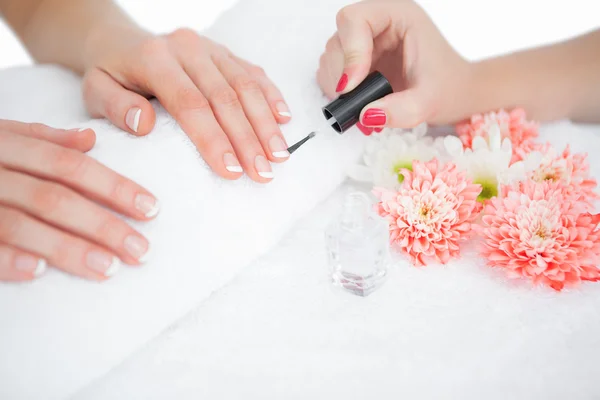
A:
51,193
434,84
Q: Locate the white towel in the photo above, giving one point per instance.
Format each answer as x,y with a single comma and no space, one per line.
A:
60,332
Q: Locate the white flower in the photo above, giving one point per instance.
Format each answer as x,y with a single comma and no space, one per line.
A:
488,162
392,150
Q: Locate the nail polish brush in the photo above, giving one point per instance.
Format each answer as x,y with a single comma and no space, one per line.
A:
344,112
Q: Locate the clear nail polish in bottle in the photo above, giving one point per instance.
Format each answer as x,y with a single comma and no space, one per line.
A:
358,247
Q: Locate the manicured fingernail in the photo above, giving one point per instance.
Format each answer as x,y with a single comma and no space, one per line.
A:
366,131
132,119
137,247
103,263
31,264
147,205
77,129
342,83
231,163
263,167
278,147
283,110
374,117
378,130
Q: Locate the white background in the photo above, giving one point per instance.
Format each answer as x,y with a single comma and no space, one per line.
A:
482,29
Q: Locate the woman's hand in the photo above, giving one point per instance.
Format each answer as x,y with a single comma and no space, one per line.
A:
227,106
51,198
397,38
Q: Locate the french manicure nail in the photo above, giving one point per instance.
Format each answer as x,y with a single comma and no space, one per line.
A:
132,119
263,167
147,205
231,163
103,263
137,247
374,117
283,110
27,263
278,147
343,82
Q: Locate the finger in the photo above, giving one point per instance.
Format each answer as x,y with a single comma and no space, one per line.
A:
256,108
405,109
272,94
230,114
67,210
81,139
358,24
182,99
79,172
104,97
331,66
62,250
18,265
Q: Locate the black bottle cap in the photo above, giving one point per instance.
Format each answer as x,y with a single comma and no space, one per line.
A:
346,109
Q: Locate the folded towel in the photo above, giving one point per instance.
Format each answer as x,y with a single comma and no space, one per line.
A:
61,332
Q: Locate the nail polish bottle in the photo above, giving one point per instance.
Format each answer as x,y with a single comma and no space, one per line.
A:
358,247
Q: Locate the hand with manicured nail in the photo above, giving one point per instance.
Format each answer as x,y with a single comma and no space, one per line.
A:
51,206
398,39
228,107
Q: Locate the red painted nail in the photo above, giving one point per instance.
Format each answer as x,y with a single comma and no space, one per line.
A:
366,131
342,83
378,130
374,117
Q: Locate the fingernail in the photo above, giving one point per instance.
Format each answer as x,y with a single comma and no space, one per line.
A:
137,247
77,129
278,147
31,264
283,110
132,119
366,131
147,205
378,130
103,263
263,167
231,163
342,83
374,117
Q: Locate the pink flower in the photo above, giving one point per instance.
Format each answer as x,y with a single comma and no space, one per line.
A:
431,212
540,231
512,125
571,170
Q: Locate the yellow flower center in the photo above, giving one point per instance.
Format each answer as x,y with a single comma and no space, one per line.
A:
489,189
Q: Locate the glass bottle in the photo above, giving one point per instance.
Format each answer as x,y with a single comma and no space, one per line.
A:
358,247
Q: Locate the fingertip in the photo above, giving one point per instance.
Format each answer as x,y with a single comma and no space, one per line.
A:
140,119
85,140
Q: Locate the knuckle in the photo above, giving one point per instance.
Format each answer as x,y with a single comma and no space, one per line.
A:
68,163
257,71
245,83
184,35
226,96
37,129
344,15
153,48
121,190
109,230
189,99
10,224
47,198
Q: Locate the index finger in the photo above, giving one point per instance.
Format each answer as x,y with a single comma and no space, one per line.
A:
78,171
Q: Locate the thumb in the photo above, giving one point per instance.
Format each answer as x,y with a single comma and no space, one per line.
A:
104,97
405,110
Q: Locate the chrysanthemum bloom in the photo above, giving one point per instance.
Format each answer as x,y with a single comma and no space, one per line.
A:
487,163
513,125
539,231
571,170
431,213
392,150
